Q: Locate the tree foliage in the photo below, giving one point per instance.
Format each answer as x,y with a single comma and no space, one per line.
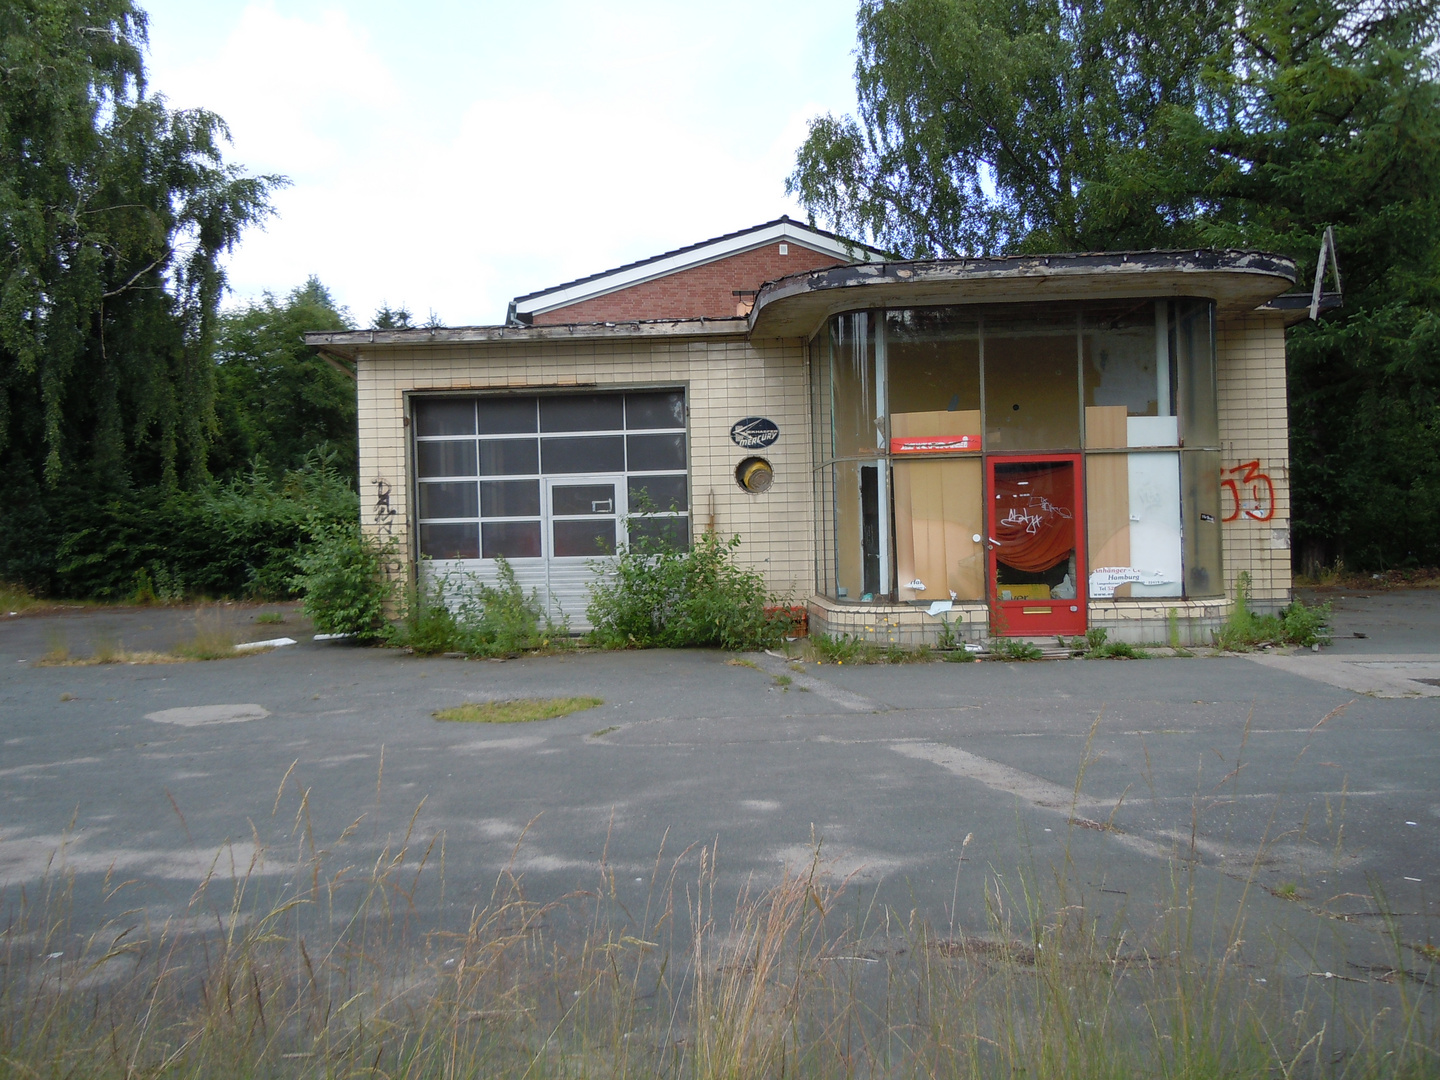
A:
114,214
991,126
275,399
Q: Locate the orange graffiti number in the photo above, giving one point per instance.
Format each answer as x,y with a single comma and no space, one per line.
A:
1251,494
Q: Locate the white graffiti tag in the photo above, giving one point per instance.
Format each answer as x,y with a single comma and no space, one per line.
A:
1033,514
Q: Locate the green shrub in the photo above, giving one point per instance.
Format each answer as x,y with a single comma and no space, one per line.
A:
1297,624
243,538
1010,649
652,595
1304,625
458,613
342,578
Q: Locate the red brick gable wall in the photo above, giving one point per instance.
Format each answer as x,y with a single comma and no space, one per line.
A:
705,290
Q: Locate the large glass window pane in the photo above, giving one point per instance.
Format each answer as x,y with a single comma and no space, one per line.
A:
665,409
507,416
596,453
1122,350
583,499
512,539
1200,502
582,412
510,498
1194,346
939,530
1132,512
1032,385
449,500
587,539
445,458
854,407
932,357
849,579
653,453
509,457
657,493
662,533
445,416
458,541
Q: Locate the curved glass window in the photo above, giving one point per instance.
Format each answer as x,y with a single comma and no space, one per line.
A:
910,404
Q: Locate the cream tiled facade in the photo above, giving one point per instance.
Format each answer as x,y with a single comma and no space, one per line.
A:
1255,456
728,376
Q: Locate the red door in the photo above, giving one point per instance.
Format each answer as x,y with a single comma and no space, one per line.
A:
1036,549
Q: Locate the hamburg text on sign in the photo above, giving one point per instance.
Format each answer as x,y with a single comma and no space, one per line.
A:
754,432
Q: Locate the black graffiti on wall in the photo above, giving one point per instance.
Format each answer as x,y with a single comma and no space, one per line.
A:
383,518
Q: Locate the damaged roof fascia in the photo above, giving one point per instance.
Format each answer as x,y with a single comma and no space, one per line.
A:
1238,281
348,343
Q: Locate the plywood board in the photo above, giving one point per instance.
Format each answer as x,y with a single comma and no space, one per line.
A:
1105,427
1107,511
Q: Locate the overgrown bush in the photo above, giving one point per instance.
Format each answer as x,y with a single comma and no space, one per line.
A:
1297,624
243,538
481,620
342,577
654,596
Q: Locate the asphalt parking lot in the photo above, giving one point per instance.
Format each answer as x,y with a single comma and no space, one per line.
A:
1274,779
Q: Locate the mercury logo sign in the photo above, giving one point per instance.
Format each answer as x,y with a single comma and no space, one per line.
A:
754,432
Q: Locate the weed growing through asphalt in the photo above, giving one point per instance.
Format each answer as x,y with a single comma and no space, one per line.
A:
517,711
1013,649
845,649
270,618
1297,624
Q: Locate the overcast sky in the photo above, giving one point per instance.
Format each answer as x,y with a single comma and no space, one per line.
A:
448,155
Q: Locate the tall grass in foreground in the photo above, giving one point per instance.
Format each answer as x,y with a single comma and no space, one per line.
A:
336,975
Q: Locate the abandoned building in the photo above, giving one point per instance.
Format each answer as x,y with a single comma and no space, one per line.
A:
1023,446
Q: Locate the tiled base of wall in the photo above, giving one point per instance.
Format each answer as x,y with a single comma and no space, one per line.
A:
1129,621
897,624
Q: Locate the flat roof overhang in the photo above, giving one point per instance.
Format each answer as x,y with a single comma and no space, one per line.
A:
1238,281
348,344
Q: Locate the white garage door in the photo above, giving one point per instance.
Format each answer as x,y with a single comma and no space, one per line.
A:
554,484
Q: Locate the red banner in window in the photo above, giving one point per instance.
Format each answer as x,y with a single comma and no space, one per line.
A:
933,444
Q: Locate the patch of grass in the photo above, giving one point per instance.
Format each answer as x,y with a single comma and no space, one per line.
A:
213,639
67,696
15,598
270,618
604,731
959,656
845,649
1097,648
116,656
517,711
1287,891
57,648
739,661
783,681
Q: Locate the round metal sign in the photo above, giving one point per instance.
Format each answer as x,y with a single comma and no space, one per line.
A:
754,432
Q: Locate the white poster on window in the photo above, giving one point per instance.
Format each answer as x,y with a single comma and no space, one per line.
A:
1105,580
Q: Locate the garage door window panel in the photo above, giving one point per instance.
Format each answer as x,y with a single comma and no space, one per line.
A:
586,454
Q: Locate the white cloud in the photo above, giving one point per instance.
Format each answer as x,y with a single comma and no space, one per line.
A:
455,184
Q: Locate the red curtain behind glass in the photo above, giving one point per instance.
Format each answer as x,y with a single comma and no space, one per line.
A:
1034,516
